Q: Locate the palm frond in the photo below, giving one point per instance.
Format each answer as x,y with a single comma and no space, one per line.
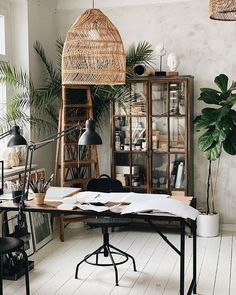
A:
142,53
11,76
59,49
51,71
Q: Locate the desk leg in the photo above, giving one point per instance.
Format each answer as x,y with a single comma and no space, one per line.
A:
182,256
194,229
1,274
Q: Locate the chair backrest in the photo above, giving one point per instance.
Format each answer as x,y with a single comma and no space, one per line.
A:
105,184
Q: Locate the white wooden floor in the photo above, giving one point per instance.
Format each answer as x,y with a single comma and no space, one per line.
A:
157,265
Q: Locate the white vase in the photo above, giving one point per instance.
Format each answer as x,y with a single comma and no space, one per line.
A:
208,225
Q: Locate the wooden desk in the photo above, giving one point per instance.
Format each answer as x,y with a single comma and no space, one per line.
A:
51,207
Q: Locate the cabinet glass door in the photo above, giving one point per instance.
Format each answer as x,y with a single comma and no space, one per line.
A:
177,98
138,99
159,99
177,171
122,133
177,134
139,171
160,172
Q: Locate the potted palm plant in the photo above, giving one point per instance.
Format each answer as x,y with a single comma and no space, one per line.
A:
218,134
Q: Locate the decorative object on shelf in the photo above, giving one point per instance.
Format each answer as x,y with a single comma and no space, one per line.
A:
93,52
219,127
172,62
160,51
14,159
223,10
141,70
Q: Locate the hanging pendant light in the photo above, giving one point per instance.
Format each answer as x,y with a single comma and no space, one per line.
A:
93,52
224,10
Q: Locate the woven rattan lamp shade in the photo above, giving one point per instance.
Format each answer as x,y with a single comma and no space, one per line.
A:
93,52
224,10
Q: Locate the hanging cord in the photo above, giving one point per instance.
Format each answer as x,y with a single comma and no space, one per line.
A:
93,3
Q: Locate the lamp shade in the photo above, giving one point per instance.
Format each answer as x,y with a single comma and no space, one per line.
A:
90,136
93,52
224,10
16,138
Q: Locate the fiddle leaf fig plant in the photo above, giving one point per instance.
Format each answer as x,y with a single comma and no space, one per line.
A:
217,123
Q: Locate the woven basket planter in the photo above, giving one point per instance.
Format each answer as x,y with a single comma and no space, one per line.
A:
93,52
224,10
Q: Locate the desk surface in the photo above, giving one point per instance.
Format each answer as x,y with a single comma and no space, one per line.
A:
51,207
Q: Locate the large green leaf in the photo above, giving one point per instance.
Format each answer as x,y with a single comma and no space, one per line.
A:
225,124
232,114
202,122
210,90
206,140
229,144
210,97
231,100
213,152
233,86
222,82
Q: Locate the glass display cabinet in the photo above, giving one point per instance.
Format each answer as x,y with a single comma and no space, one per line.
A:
152,136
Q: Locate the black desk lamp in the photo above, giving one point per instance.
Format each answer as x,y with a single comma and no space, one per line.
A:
89,137
16,138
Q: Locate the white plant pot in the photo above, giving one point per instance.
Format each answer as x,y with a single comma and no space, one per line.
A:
208,225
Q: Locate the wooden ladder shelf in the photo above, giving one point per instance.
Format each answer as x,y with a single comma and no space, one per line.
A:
77,164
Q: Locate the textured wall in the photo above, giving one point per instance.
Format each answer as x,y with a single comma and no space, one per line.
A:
206,48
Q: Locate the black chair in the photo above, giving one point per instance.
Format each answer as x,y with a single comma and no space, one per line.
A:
7,246
106,184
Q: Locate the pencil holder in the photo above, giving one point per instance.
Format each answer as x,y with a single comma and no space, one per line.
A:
39,198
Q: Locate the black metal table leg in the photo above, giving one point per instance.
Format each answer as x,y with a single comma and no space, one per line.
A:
194,229
1,270
182,256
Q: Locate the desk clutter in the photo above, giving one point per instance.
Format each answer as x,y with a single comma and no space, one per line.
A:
125,203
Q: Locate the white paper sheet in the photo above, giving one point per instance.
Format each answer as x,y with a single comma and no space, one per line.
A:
55,193
162,204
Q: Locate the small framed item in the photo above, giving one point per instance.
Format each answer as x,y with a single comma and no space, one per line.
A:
41,228
1,177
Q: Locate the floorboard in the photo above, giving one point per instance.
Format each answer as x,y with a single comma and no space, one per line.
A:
157,265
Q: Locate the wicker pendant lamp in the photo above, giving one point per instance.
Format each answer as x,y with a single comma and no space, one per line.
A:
93,52
224,10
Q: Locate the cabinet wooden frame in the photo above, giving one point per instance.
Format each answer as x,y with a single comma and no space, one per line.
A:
181,149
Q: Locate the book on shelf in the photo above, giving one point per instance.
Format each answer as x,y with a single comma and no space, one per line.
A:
177,173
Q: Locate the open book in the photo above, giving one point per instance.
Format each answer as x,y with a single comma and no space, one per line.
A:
55,193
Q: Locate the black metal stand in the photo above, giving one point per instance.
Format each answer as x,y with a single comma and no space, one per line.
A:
105,249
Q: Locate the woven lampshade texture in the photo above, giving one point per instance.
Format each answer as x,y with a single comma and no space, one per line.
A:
93,52
224,10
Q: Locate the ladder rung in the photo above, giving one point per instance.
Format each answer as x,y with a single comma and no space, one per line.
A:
78,105
68,164
76,181
78,118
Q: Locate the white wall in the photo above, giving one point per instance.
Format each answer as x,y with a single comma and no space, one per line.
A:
206,48
42,28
